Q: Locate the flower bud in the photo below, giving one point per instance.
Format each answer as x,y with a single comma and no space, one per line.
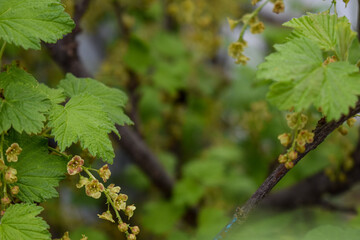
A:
351,121
129,211
292,155
104,172
15,190
342,130
10,175
5,200
131,237
74,166
285,139
300,148
289,165
106,216
279,7
135,230
13,152
123,227
257,28
283,158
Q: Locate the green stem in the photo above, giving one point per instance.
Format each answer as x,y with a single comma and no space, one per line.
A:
1,147
113,205
58,152
1,53
253,14
88,172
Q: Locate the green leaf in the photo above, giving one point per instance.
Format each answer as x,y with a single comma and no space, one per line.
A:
293,60
321,28
23,104
187,192
333,88
113,99
26,22
83,119
303,79
137,56
332,233
38,172
328,31
161,216
55,96
20,222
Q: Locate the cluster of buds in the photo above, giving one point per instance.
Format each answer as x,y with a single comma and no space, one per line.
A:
279,6
297,122
118,201
342,129
256,26
13,152
94,189
124,227
236,51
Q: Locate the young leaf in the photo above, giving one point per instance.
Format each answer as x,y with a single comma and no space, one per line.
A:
26,22
38,172
83,119
113,99
330,86
20,222
23,104
328,31
292,60
333,88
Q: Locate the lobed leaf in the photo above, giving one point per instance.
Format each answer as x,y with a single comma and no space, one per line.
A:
83,119
26,22
113,99
328,31
293,60
20,222
22,104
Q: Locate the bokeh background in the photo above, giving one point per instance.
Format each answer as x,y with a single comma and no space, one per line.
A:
204,119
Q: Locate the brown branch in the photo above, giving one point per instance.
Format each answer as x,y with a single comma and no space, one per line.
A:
311,190
321,132
65,53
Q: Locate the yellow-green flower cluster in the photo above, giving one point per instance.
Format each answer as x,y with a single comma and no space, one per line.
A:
236,51
297,140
